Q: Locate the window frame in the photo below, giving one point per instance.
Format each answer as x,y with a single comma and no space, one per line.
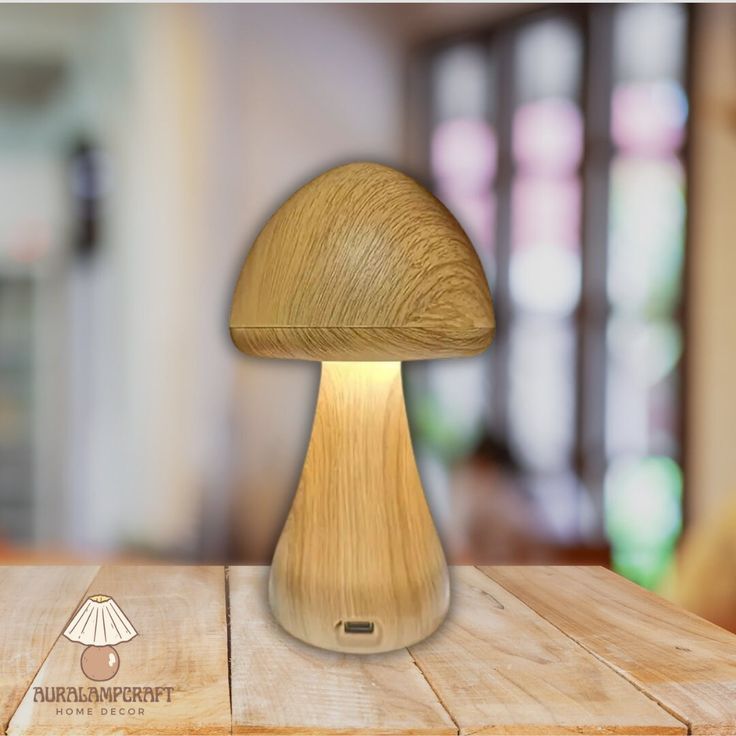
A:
591,316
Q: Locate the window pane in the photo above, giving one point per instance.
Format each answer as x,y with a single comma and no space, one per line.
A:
456,405
461,83
649,41
548,61
450,400
464,154
16,396
545,264
646,246
643,499
463,146
547,145
641,393
541,398
649,110
545,258
548,136
649,118
463,157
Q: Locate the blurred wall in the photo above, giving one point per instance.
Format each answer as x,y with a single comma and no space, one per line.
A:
152,425
712,264
127,471
304,88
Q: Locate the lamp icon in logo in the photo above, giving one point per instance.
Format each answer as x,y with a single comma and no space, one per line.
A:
99,624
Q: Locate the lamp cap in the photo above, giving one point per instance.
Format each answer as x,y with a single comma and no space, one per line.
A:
362,263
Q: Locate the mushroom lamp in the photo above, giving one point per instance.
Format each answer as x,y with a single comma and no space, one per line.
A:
361,268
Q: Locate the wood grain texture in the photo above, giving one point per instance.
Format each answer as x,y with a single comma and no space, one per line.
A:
35,605
362,263
180,616
569,651
499,668
282,686
359,543
360,343
679,659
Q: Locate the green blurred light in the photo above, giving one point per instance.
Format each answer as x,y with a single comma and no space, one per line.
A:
643,516
448,441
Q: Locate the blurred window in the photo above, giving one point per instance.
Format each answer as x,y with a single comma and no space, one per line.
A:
31,216
557,141
16,404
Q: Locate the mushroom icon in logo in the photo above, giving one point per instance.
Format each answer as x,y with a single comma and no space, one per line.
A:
99,624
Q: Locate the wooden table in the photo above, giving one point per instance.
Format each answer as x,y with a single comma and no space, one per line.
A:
525,650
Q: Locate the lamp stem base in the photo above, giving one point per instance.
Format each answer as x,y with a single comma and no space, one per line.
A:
359,566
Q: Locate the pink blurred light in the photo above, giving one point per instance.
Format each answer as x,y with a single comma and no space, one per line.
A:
649,117
464,154
546,211
548,136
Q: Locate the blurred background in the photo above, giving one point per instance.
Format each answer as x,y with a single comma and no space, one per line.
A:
589,152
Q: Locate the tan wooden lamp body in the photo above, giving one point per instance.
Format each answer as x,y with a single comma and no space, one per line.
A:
361,268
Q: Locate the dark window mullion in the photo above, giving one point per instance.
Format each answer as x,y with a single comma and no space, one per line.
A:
593,310
682,315
503,49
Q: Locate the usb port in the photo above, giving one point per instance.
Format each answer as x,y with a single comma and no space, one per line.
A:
358,627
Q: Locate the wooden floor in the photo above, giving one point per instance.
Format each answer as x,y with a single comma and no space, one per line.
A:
525,650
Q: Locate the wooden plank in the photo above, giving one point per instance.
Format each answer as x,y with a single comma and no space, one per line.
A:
35,604
180,653
682,661
500,668
282,686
